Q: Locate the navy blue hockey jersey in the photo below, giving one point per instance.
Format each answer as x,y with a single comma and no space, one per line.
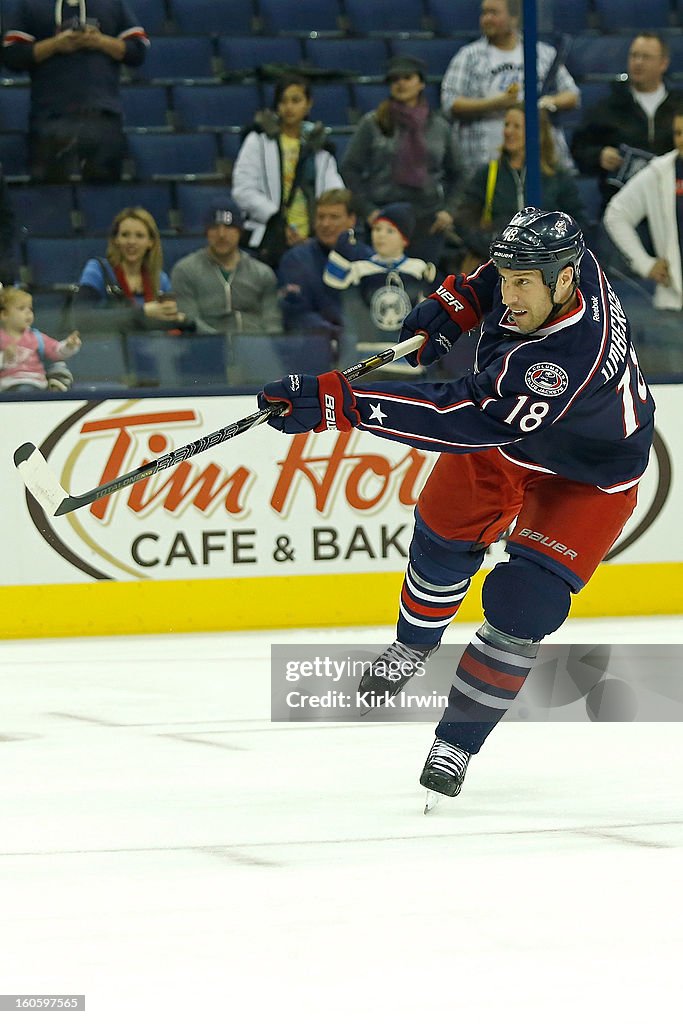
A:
569,399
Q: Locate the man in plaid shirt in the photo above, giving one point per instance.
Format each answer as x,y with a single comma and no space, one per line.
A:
486,78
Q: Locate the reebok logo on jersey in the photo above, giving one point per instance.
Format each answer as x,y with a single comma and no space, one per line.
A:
595,306
546,379
330,417
548,542
294,382
449,299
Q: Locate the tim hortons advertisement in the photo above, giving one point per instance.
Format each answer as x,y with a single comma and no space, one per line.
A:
252,506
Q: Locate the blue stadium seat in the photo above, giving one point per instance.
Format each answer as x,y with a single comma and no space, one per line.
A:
572,16
216,16
53,261
626,15
181,245
152,15
250,52
331,103
436,53
195,200
451,19
360,56
100,361
299,16
42,209
145,106
14,155
340,141
605,55
162,157
230,144
99,204
199,107
256,358
369,95
385,16
14,104
171,58
200,359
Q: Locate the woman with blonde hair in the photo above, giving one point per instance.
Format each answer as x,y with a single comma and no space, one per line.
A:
132,270
497,190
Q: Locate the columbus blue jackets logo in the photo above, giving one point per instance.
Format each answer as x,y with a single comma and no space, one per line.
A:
546,379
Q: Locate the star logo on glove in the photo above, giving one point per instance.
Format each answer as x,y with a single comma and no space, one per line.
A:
377,414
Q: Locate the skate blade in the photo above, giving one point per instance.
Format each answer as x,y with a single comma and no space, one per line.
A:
432,800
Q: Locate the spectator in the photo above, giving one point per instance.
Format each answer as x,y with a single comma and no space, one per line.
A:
8,264
403,152
486,78
496,190
221,287
132,274
30,359
308,303
655,195
636,115
281,168
381,284
74,60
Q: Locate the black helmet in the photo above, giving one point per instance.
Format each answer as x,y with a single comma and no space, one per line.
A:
540,240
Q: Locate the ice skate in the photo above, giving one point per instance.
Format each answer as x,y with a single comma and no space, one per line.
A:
389,673
444,771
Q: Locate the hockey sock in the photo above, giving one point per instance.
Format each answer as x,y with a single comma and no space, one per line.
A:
489,676
427,608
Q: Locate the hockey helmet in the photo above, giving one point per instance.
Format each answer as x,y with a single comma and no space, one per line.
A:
540,240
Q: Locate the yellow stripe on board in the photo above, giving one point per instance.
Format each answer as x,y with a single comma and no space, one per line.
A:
187,606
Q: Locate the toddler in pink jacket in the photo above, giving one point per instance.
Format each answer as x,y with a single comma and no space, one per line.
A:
24,350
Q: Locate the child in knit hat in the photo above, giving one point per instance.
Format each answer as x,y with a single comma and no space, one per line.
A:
382,284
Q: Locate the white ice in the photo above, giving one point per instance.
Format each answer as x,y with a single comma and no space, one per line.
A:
170,853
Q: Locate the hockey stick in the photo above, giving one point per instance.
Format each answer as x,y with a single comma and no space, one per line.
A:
46,489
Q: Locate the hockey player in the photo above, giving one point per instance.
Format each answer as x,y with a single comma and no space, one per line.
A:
552,428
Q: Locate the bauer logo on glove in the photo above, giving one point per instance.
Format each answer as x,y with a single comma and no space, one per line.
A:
315,403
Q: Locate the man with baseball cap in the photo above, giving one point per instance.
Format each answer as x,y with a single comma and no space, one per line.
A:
221,286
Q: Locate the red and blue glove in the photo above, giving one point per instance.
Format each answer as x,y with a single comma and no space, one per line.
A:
442,318
315,403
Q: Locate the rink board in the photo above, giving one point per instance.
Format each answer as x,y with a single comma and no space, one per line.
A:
263,531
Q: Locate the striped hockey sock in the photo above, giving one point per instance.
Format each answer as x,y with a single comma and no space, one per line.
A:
491,672
427,608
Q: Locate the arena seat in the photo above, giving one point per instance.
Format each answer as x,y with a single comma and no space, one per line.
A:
255,358
213,16
199,107
385,16
449,19
59,261
14,106
177,57
180,155
436,53
627,15
145,106
251,52
42,209
99,204
152,15
359,56
300,16
14,155
331,103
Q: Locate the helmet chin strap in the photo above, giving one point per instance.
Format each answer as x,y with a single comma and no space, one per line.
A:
557,306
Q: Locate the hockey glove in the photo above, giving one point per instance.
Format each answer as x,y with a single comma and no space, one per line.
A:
59,377
442,318
315,403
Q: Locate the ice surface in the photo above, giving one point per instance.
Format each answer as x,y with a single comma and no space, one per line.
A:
170,853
